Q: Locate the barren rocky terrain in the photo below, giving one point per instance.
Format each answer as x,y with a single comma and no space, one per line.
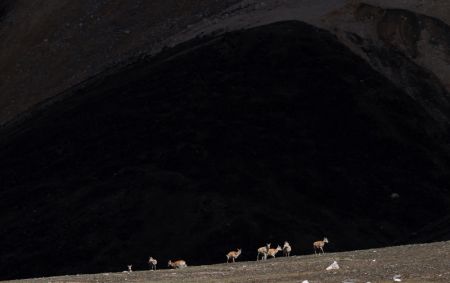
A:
186,128
49,46
270,133
415,263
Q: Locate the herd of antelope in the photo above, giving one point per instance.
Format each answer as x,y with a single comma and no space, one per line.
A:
263,254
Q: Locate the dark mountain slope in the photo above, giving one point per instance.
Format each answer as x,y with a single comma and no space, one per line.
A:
47,46
270,134
5,7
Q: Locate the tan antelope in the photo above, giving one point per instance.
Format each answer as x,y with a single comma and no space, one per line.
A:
273,252
318,245
263,251
287,249
233,255
177,264
152,262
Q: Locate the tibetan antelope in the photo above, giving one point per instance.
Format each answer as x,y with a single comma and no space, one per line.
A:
318,245
263,251
177,264
152,262
129,268
233,255
287,249
273,252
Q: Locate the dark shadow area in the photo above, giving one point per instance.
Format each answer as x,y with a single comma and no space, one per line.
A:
265,135
5,7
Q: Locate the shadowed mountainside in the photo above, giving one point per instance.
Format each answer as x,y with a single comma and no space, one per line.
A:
395,42
47,46
269,134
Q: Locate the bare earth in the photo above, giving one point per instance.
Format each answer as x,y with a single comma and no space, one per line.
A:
414,263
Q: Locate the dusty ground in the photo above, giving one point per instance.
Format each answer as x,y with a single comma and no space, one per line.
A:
414,263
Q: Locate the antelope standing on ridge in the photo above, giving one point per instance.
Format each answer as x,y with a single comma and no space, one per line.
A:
152,262
233,255
287,249
129,268
263,251
318,245
177,264
273,252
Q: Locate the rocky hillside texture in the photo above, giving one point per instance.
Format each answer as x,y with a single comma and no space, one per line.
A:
47,46
395,42
272,133
414,263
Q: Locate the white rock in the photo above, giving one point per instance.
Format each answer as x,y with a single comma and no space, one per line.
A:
333,266
395,196
397,278
305,281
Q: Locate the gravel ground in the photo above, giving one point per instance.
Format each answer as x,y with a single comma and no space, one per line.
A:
413,263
